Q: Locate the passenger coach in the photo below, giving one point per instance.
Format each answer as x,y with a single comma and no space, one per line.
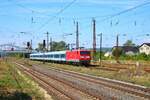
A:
69,56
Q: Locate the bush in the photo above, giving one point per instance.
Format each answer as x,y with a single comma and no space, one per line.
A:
141,56
117,53
97,56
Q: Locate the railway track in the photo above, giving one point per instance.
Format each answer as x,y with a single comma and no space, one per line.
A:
123,86
117,67
56,87
98,87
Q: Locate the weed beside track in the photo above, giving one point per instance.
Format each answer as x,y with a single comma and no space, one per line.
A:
13,86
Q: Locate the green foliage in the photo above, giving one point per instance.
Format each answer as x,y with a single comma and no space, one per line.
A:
58,46
55,46
117,52
21,91
97,56
123,56
19,55
40,47
129,43
141,56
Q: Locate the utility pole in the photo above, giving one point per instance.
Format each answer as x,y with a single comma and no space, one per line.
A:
31,45
28,47
100,46
117,48
44,47
47,40
77,36
50,43
94,38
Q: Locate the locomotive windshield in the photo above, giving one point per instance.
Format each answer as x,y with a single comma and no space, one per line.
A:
84,52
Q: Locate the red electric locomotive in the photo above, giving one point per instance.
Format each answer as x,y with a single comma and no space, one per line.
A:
78,56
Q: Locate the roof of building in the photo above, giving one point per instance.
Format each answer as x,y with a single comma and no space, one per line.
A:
146,44
128,48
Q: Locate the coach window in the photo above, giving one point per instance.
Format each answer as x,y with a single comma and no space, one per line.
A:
55,56
45,56
49,56
62,55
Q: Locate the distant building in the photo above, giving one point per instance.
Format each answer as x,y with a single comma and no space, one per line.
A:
145,48
108,54
129,50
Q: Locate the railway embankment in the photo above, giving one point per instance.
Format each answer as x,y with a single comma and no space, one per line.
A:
17,86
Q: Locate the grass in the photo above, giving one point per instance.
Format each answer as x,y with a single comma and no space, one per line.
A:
132,74
10,89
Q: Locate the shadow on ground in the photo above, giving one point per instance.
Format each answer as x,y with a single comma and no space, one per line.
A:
14,96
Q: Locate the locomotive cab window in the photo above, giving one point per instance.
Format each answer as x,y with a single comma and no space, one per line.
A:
84,52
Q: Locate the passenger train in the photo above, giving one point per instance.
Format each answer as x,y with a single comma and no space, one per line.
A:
70,56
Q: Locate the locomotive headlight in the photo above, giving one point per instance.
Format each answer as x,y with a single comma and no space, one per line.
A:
81,56
87,56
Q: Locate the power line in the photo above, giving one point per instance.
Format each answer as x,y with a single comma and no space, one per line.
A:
8,29
120,13
22,6
58,13
83,18
127,10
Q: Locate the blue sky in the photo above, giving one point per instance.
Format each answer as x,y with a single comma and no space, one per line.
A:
16,16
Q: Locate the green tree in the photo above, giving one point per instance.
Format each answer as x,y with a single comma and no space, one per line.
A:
117,52
40,47
129,43
55,46
58,46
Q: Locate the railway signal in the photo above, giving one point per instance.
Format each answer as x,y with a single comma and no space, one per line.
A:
44,47
44,44
51,44
28,45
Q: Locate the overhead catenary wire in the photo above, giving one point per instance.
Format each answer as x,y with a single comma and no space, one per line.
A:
58,13
119,13
125,11
106,17
24,7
